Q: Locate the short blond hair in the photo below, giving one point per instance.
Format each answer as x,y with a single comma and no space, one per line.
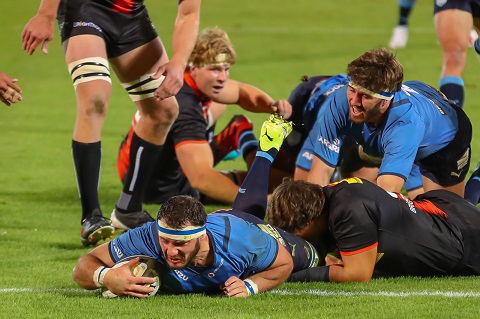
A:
213,46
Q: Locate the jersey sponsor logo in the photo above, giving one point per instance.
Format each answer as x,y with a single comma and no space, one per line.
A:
331,146
87,24
308,156
242,190
181,275
118,252
333,89
401,197
440,3
407,90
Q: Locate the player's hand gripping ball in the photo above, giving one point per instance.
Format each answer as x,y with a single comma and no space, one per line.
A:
147,267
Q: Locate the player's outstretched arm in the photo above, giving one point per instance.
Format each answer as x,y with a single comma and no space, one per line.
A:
253,99
358,267
353,268
263,281
93,271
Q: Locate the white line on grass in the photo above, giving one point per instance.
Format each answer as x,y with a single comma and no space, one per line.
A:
447,294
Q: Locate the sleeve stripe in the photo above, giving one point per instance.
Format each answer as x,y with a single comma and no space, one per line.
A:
358,251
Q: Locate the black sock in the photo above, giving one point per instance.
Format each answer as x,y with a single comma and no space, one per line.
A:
143,158
87,158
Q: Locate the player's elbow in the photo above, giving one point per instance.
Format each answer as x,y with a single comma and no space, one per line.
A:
200,180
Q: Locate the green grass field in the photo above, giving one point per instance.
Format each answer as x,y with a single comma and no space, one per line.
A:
277,42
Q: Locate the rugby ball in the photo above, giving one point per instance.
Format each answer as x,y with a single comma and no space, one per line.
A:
147,267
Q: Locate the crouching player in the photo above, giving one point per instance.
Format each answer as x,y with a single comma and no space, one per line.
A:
229,251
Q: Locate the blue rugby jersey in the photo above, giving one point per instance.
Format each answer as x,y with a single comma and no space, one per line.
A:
241,249
418,123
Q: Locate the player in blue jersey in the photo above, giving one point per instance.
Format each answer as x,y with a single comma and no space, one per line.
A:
297,153
396,124
229,250
98,34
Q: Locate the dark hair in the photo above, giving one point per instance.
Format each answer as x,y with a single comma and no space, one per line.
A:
178,211
377,70
295,203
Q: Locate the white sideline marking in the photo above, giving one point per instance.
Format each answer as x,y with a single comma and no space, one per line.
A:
447,294
43,290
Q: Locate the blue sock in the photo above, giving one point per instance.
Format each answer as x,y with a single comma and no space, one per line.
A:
453,88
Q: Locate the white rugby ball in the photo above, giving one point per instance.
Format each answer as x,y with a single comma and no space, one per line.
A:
147,267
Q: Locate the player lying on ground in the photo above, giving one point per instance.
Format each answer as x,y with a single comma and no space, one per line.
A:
378,232
229,250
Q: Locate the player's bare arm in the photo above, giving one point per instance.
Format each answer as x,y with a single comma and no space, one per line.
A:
320,173
353,268
183,40
272,277
390,183
201,174
253,99
39,29
93,271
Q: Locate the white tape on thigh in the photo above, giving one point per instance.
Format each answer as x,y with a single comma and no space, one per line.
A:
142,88
89,69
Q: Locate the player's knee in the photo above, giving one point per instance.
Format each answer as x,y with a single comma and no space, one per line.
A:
89,69
161,114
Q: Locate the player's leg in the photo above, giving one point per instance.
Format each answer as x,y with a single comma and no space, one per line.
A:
453,28
252,195
400,32
156,117
86,58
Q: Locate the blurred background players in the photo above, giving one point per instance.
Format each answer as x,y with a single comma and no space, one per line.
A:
9,92
94,34
400,32
186,163
454,20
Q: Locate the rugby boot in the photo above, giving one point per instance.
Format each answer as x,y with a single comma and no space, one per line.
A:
274,131
95,228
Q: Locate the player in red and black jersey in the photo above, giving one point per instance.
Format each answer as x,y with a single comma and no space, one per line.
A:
378,232
99,33
186,163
